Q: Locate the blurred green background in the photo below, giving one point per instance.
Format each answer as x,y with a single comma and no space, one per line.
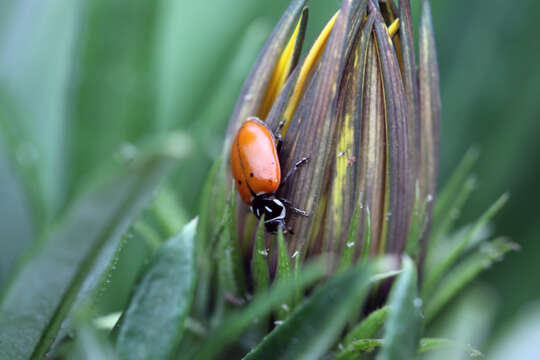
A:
82,81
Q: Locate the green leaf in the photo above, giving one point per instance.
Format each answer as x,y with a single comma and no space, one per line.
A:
431,344
284,265
466,320
402,330
42,96
366,250
418,224
16,222
210,224
369,327
73,261
90,345
283,272
154,320
314,326
21,178
447,198
445,223
435,274
168,212
465,272
348,250
262,304
259,260
355,350
112,94
231,272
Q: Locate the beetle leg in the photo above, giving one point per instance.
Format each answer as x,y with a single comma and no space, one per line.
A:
295,210
277,135
279,141
295,167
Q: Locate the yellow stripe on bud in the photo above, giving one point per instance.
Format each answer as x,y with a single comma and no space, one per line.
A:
313,56
280,74
393,28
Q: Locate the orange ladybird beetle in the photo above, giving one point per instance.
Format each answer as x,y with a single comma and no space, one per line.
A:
257,173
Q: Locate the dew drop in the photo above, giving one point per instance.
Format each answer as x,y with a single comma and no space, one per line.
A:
127,152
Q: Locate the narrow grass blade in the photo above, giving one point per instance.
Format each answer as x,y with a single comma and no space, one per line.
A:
418,225
259,260
262,304
465,272
445,223
403,327
231,272
210,224
18,151
368,328
435,274
355,350
314,326
432,344
366,248
448,195
154,320
168,212
283,273
347,254
453,196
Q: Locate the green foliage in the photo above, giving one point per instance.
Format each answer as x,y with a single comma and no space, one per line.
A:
238,321
403,327
259,262
112,73
357,348
73,261
283,272
315,325
466,271
435,273
154,320
368,328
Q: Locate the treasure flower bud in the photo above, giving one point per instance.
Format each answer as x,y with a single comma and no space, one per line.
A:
364,111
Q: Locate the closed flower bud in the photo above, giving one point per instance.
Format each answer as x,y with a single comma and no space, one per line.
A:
366,113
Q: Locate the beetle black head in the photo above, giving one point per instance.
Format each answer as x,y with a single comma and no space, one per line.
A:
273,209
